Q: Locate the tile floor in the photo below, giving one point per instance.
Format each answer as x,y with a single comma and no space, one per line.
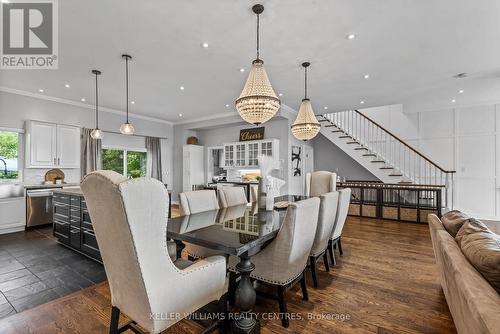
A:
35,269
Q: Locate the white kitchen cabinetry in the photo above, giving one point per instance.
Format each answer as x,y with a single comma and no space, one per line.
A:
13,217
50,145
245,154
193,170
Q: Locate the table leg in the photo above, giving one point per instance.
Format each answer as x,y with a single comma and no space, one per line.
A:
180,246
245,321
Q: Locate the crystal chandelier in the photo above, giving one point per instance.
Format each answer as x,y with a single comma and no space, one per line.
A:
257,102
306,126
127,128
96,133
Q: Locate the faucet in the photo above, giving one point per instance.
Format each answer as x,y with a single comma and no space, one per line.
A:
5,167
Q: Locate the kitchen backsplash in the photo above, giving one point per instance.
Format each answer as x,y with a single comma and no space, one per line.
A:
37,176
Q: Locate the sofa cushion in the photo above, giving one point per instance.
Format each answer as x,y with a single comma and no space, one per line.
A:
482,248
453,221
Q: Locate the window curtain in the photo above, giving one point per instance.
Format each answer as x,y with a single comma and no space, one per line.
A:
153,147
91,149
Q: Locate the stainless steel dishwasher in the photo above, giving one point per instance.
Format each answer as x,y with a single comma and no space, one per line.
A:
38,207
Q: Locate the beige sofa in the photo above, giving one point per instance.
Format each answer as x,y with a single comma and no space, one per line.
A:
473,303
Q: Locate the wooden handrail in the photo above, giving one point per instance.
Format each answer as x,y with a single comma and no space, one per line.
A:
405,144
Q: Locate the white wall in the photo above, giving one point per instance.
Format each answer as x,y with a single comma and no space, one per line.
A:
16,109
463,139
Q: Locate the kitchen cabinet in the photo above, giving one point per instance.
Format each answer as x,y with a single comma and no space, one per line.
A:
245,154
72,224
13,214
50,145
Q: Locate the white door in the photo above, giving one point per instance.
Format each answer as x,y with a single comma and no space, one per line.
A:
68,146
41,144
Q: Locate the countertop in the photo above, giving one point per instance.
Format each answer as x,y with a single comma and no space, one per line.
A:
69,191
237,182
47,186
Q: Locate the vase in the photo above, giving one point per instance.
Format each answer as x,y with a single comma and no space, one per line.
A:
261,194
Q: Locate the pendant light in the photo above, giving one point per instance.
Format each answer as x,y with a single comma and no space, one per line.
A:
306,126
127,128
96,133
257,102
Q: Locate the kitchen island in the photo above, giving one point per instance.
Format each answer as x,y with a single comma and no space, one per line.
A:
72,224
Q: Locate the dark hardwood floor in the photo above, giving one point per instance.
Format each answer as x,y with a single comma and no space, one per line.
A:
386,282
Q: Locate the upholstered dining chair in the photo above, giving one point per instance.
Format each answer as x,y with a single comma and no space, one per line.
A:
130,222
342,210
320,182
326,221
231,196
197,201
283,262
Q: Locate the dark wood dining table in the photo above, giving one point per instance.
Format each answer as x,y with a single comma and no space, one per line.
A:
238,230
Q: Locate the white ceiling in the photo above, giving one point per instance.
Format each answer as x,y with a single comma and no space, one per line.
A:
410,48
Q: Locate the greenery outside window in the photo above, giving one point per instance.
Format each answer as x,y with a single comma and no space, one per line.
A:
9,152
130,163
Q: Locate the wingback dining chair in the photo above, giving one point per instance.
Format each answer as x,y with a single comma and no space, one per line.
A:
130,223
342,211
192,202
326,221
231,196
320,182
283,262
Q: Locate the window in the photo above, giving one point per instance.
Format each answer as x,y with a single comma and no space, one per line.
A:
132,164
9,148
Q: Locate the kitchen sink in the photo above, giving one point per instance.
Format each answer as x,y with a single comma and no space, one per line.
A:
9,190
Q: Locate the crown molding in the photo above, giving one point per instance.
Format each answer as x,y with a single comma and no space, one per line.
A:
79,104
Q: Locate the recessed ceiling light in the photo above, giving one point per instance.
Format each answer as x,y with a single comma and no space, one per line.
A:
362,102
280,94
40,90
242,70
461,75
326,108
453,101
227,105
204,45
180,115
366,76
132,102
350,36
67,85
461,91
181,87
82,99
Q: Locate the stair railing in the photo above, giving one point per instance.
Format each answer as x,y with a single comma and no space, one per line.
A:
381,144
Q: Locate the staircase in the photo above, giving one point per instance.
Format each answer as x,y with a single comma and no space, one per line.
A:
385,155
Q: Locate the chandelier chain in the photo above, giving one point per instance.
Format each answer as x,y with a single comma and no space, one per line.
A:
305,82
258,37
126,83
96,103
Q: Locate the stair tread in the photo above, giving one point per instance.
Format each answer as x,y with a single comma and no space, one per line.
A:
333,131
329,125
361,148
377,161
369,155
345,136
395,174
387,167
323,120
352,142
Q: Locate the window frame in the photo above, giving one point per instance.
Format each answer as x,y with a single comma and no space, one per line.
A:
20,154
125,154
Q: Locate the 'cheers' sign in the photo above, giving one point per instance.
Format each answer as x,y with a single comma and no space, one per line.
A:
252,134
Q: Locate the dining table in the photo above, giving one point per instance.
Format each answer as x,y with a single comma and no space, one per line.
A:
242,231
